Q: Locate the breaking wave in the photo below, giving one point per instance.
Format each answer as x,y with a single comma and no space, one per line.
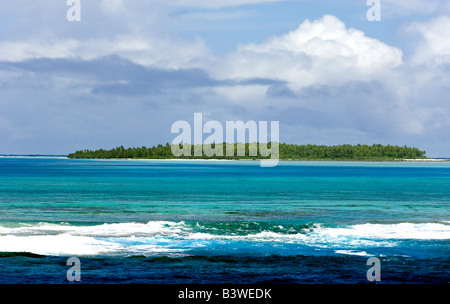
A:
178,238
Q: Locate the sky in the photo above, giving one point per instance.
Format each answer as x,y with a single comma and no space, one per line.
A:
129,69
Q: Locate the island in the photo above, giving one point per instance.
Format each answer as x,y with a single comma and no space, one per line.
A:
345,152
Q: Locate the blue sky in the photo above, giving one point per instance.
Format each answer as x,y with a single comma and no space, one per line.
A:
129,69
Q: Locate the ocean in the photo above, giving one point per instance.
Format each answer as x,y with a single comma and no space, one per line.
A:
208,222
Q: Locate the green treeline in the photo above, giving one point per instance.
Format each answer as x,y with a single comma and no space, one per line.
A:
286,152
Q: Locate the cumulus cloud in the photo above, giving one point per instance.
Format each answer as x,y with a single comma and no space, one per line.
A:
135,30
340,82
433,45
123,75
323,51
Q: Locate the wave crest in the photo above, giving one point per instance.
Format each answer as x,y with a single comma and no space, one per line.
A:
165,237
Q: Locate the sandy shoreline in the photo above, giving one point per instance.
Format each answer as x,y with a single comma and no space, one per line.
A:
281,160
228,160
426,160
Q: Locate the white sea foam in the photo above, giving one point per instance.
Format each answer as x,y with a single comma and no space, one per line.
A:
63,239
106,230
352,252
401,231
56,245
165,237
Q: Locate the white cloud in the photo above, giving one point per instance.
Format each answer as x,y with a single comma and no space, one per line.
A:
34,48
341,78
145,50
214,4
434,46
319,52
136,30
392,8
341,84
111,6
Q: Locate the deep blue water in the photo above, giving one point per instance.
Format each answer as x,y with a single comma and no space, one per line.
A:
223,222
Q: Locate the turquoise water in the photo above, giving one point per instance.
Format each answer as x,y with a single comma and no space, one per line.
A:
223,221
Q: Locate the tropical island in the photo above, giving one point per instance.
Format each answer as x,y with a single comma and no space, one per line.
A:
375,152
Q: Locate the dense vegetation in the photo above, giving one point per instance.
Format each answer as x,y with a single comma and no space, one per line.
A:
286,152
